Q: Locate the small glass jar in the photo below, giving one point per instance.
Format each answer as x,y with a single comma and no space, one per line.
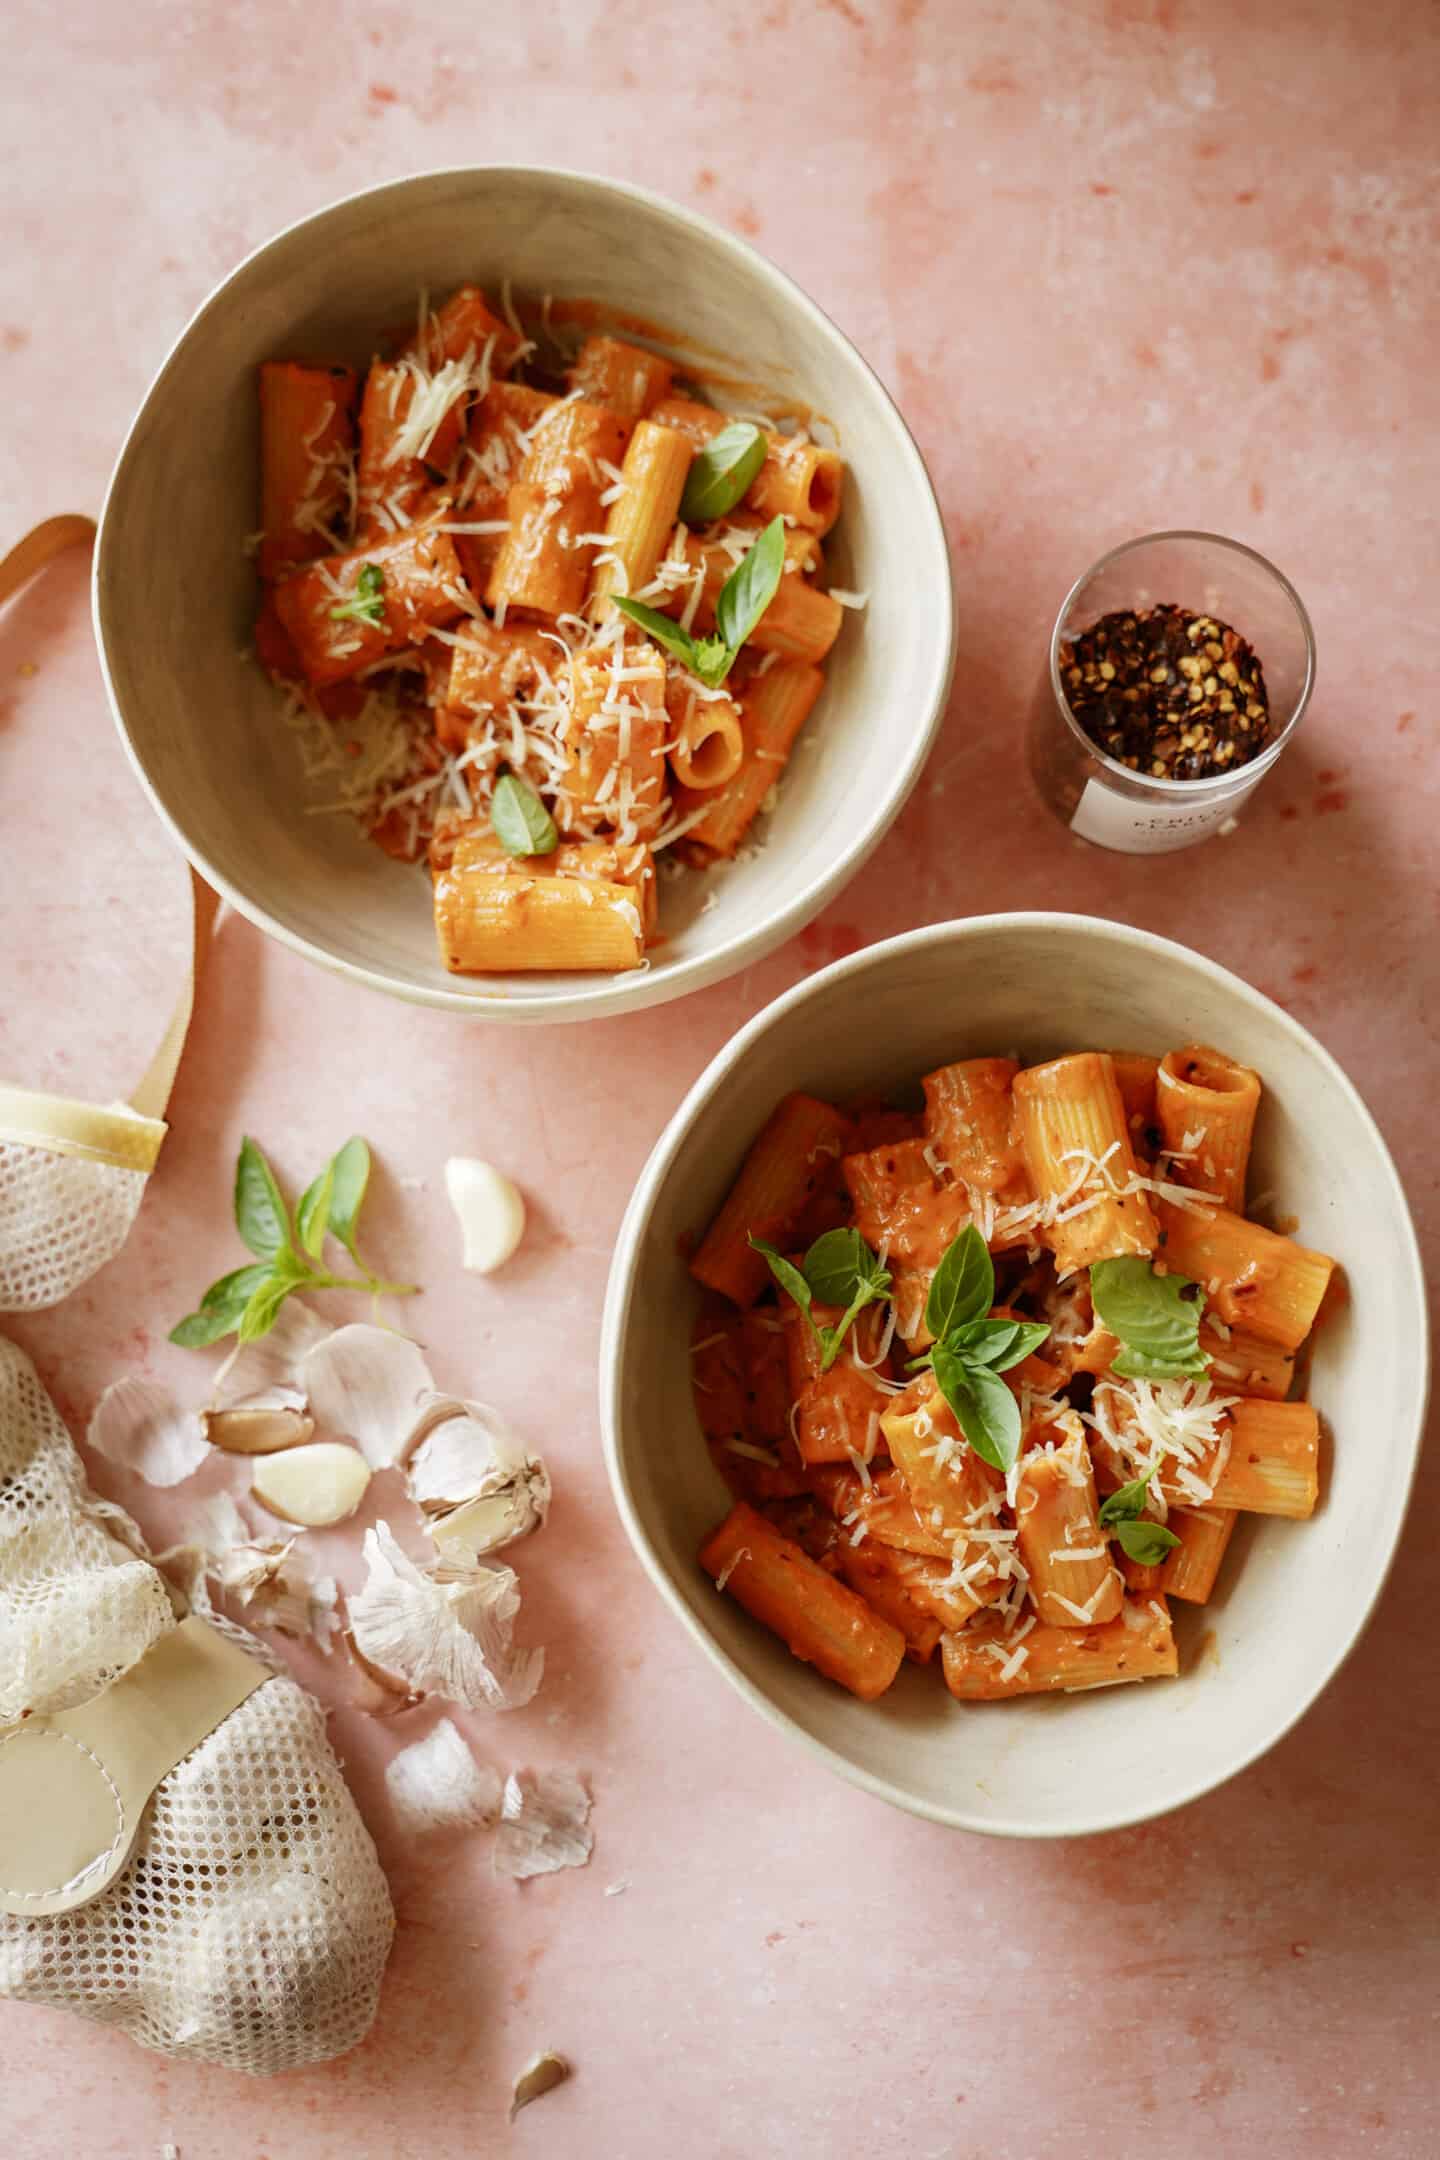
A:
1097,796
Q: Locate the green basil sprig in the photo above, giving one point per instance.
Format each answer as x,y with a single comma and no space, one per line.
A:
839,1269
1156,1322
1141,1540
744,597
367,603
972,1349
722,472
521,823
247,1301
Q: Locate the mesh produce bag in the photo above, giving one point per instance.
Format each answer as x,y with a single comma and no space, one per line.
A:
179,1854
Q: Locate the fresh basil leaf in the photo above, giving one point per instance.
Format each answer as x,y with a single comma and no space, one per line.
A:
220,1308
963,1286
367,602
999,1343
789,1277
263,1309
1147,1542
751,586
985,1410
1151,1317
260,1213
350,1176
198,1329
312,1211
722,472
837,1264
1126,1505
522,824
665,631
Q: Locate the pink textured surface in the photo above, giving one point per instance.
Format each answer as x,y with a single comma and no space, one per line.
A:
1143,263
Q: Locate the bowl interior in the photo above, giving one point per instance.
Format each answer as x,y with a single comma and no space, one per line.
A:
175,594
1292,1595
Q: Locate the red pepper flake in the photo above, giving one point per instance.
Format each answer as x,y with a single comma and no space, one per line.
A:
1175,695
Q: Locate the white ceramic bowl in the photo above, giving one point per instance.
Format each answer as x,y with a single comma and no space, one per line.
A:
175,595
1293,1596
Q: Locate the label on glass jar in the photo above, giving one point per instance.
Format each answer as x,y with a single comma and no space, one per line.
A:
1148,828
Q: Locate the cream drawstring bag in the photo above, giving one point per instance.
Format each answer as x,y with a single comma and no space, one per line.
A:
179,1854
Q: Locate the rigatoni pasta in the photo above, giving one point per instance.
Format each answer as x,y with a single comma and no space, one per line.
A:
1004,1417
519,579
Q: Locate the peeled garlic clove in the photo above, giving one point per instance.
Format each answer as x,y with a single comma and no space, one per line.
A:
314,1486
490,1210
256,1429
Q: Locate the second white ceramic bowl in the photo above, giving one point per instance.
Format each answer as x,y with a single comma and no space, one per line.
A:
175,594
1293,1597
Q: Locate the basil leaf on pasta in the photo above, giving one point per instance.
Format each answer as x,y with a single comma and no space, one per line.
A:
750,587
963,1286
985,1410
1156,1323
721,473
522,824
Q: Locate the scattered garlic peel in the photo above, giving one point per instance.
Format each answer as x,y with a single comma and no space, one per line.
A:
267,1371
138,1425
315,1485
378,1694
490,1212
267,1576
442,1633
436,1784
544,1824
256,1428
471,1477
369,1384
541,2075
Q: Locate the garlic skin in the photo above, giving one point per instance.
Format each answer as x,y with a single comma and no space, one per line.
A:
139,1426
540,2075
445,1631
368,1383
314,1486
473,1480
490,1211
544,1824
436,1784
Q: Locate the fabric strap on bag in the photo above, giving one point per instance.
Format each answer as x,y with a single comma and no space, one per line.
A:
74,1785
127,1134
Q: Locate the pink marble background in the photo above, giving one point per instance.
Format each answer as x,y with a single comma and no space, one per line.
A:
1128,264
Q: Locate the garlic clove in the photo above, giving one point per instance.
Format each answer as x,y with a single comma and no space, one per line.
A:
485,1525
540,2075
472,1479
256,1428
490,1210
315,1485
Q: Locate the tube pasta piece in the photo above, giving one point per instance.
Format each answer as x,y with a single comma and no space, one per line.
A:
872,1573
1243,1364
614,738
483,672
837,1415
1076,1145
1190,1568
627,378
474,850
543,563
929,1583
952,1491
466,325
773,709
509,922
1273,1467
785,1164
799,479
1253,1278
1205,1109
307,441
983,1664
1135,1073
882,1509
900,1207
639,522
707,740
801,622
390,486
820,1620
970,1118
1073,1581
496,441
421,579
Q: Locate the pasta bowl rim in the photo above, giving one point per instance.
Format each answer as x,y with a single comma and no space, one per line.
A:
621,1290
602,996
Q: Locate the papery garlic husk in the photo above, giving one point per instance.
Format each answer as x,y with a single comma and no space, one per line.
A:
473,1480
544,1824
267,1370
268,1577
443,1632
256,1428
436,1784
540,2075
140,1426
369,1384
316,1485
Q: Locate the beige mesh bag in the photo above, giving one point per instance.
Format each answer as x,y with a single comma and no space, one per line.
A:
179,1853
